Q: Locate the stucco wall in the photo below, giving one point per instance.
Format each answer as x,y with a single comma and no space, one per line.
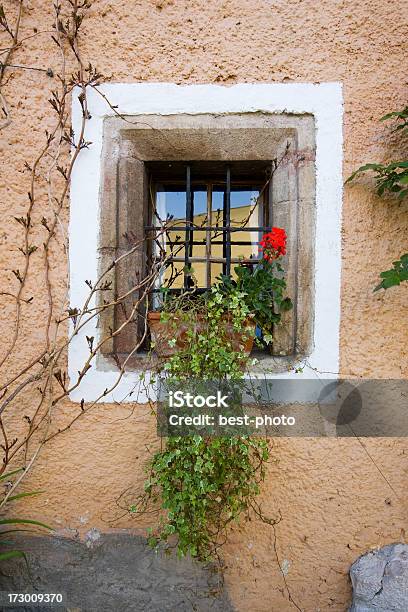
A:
334,501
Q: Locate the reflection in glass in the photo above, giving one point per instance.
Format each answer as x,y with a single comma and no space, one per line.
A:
208,210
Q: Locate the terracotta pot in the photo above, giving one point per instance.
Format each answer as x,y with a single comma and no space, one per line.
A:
164,331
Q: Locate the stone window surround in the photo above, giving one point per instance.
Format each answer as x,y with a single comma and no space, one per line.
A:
288,109
129,142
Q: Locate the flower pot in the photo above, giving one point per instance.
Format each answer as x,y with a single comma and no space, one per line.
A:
162,332
240,341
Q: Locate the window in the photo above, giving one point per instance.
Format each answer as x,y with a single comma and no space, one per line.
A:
223,181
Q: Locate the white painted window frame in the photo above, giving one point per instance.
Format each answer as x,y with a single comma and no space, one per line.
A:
323,100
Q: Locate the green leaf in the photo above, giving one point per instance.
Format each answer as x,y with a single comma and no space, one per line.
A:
20,495
5,476
18,521
3,532
395,276
11,554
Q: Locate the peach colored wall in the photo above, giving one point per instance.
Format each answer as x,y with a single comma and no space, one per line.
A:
335,503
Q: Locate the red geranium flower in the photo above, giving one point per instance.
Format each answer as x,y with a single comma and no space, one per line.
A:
273,244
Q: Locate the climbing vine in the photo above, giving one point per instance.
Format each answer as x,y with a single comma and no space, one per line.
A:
26,429
206,483
391,178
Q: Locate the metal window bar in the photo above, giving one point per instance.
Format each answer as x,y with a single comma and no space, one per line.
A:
227,223
188,248
208,237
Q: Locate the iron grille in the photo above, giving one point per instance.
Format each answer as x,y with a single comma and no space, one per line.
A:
225,174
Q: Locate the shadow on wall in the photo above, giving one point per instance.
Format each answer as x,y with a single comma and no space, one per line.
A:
116,572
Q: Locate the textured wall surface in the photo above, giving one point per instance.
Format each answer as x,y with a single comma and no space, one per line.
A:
338,497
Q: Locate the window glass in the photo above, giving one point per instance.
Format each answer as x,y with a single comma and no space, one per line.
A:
171,204
246,210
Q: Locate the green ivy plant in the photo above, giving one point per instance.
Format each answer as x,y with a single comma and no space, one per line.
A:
395,276
391,178
206,483
209,352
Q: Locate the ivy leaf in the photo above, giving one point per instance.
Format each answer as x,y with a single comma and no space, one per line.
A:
395,276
